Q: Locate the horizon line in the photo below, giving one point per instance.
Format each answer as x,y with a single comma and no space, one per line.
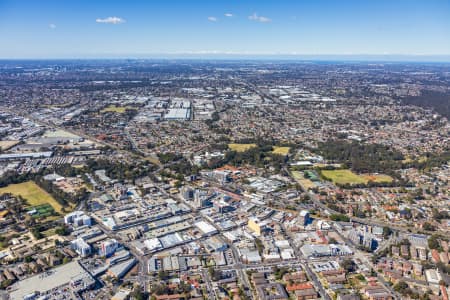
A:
444,58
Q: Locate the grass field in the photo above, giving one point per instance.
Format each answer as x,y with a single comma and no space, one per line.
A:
116,109
347,176
281,150
241,147
421,159
304,182
153,160
343,177
32,193
297,175
49,232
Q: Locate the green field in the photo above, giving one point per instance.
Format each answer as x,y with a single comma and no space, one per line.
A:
49,232
343,177
305,183
32,193
297,175
241,147
281,150
348,177
116,109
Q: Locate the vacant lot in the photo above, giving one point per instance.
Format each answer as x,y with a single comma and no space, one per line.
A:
116,109
343,177
281,150
241,147
5,145
32,193
59,133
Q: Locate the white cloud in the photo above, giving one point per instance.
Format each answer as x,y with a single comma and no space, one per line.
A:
111,20
51,26
260,19
212,19
228,15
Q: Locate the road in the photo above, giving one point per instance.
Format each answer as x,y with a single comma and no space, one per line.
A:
207,279
311,275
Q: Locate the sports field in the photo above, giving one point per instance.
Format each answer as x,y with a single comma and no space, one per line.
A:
241,147
343,177
377,177
281,150
32,193
41,211
116,109
348,177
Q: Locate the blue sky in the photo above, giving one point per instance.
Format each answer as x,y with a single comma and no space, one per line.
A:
93,28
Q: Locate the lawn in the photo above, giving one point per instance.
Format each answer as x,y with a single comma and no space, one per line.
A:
241,147
153,159
343,177
297,175
347,176
116,109
32,193
49,232
305,183
281,150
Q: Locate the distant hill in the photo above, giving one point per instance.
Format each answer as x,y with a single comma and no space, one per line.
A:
439,102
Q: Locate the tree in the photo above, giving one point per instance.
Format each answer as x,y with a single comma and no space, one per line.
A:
339,218
433,242
427,226
36,232
137,293
401,287
62,230
332,241
215,274
348,265
387,231
162,275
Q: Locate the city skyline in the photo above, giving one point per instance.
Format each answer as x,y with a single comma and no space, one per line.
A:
400,30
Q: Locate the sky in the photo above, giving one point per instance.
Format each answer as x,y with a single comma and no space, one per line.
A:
151,28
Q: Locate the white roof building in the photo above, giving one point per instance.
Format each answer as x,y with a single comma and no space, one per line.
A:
206,228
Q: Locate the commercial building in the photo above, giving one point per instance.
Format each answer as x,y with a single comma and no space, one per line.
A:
71,274
107,248
178,114
119,270
78,218
309,250
257,226
206,228
81,247
303,217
